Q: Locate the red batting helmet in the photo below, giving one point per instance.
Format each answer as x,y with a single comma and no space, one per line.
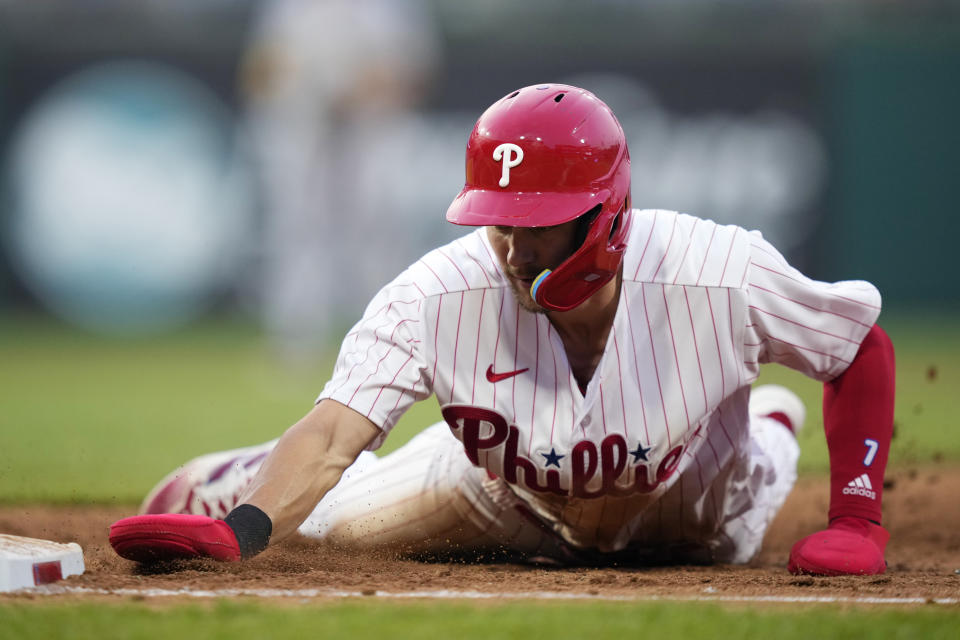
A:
542,156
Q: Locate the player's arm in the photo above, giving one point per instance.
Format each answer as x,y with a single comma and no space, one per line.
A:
828,331
307,461
858,421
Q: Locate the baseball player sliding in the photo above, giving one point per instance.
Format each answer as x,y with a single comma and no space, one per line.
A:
593,365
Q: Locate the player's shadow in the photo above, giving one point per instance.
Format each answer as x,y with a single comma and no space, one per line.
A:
685,554
165,567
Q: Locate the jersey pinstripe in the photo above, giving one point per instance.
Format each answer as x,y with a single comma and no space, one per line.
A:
701,307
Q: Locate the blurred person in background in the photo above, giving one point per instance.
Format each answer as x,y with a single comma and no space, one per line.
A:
318,75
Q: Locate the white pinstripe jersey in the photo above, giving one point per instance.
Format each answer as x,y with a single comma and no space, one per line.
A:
702,306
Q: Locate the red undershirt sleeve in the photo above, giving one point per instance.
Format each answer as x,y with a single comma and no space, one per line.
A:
858,421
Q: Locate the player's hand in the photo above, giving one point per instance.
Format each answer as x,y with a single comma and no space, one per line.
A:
849,546
173,536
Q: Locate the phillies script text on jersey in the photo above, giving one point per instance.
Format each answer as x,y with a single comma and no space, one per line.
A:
483,429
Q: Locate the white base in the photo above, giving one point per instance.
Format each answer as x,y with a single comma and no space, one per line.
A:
29,562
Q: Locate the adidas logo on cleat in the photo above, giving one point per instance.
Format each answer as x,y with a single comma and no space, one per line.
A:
860,487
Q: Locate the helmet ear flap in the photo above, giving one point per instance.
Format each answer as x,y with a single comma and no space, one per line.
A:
590,267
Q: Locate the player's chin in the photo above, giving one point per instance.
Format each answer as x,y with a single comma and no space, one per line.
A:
525,300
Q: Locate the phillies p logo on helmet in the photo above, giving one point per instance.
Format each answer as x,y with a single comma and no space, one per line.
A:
512,156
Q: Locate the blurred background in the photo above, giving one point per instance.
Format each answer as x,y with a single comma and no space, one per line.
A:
197,198
163,160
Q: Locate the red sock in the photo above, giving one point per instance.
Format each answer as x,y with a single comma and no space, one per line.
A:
782,418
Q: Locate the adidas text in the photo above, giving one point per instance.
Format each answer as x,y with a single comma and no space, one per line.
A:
860,486
860,491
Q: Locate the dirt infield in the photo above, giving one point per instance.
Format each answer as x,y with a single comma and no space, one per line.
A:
922,514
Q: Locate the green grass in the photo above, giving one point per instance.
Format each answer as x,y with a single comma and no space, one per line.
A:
486,621
88,418
85,418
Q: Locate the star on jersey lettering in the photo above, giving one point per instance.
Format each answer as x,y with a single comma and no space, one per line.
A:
553,458
640,453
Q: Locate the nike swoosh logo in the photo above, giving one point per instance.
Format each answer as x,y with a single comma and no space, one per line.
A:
497,377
